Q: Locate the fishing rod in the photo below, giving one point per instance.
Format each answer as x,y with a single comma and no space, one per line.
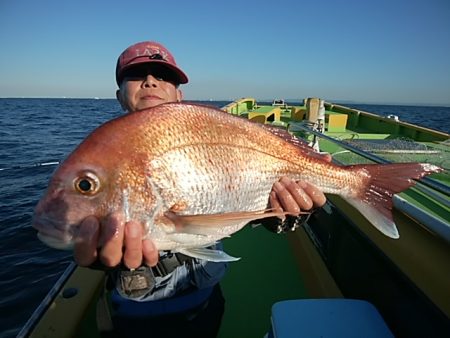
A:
33,165
424,185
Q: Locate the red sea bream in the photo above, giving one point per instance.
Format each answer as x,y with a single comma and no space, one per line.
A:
194,174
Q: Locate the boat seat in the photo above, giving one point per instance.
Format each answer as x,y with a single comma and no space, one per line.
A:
327,318
337,122
265,114
258,118
312,109
298,114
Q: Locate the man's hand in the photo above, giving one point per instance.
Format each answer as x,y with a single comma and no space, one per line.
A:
291,196
113,242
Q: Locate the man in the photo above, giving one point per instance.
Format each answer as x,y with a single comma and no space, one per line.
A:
179,296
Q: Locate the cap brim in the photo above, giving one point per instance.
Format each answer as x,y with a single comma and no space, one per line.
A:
179,74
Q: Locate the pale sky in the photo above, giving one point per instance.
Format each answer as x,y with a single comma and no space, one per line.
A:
380,51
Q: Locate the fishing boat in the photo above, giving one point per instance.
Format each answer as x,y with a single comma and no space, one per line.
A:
335,257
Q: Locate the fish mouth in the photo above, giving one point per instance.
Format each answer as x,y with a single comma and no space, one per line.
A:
55,235
55,242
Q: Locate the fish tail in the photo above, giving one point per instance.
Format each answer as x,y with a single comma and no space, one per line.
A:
374,199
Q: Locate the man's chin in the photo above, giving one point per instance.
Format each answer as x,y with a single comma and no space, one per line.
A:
150,102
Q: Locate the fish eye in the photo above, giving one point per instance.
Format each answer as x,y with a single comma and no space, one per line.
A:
87,183
84,185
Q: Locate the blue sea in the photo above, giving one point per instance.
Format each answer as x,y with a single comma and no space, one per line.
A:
37,133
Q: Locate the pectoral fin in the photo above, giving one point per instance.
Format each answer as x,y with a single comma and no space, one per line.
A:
208,254
213,224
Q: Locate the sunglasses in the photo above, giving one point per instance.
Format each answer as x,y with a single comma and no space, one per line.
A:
158,71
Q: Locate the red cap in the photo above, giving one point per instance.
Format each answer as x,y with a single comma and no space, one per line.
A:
146,52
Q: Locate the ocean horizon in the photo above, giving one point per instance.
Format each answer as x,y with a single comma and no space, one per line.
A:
287,100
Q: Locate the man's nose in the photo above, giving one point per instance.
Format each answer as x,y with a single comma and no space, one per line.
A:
150,81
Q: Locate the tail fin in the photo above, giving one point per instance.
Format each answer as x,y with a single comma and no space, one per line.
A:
374,200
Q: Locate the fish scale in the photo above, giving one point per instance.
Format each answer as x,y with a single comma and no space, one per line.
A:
181,177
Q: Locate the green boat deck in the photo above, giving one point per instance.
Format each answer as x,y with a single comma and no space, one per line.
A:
265,274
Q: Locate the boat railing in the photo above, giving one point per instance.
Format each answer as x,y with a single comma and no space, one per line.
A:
434,189
46,302
425,181
75,291
389,124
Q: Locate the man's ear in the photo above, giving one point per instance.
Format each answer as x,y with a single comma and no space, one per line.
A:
179,95
120,99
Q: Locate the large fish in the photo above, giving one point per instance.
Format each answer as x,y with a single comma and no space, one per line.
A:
194,174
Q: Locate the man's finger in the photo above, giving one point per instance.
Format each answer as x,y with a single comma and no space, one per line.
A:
297,190
285,197
132,256
274,202
86,241
315,194
327,157
149,252
111,240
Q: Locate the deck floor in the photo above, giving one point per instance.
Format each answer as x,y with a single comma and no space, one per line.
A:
265,274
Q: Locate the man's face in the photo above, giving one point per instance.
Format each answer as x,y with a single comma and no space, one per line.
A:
146,86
